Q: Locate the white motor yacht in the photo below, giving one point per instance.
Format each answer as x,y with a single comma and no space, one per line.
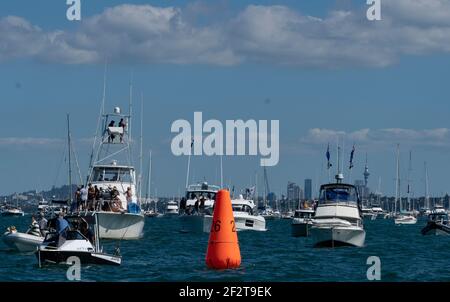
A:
338,220
172,208
302,222
245,216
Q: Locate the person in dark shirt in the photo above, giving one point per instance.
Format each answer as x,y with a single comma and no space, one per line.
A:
111,136
87,232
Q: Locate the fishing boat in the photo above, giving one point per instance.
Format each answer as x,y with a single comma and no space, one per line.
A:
403,217
302,222
22,242
245,216
76,244
437,224
119,214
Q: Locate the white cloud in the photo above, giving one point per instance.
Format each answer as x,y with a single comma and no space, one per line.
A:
380,138
264,34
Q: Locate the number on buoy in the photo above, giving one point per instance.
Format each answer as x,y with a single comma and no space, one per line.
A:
233,226
217,226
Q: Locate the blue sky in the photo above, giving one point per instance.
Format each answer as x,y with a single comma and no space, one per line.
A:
317,66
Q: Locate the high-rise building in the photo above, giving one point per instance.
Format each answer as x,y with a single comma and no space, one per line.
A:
308,189
293,192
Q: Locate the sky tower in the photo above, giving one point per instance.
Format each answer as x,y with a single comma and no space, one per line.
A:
366,174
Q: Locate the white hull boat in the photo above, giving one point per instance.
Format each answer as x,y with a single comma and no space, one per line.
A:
22,242
118,226
407,219
244,219
302,222
337,234
338,219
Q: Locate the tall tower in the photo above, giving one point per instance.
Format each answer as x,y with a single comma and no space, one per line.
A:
366,174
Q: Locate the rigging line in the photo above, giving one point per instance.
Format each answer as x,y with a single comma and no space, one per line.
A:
63,159
102,109
76,162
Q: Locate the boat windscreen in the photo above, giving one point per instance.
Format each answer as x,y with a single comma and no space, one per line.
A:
341,194
112,174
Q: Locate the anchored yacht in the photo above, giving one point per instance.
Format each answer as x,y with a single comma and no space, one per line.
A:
302,222
119,215
338,220
171,208
245,216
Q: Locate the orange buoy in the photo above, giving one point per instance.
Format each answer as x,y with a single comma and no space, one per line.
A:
223,246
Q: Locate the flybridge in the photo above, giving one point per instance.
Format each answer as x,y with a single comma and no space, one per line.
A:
233,140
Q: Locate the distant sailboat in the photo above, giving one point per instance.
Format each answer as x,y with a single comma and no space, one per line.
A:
403,217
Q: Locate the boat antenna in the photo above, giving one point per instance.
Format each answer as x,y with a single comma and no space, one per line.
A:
70,161
397,180
409,179
427,188
149,176
100,116
189,163
339,175
140,153
130,110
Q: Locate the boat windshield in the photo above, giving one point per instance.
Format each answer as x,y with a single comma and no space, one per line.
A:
112,174
242,208
338,194
200,195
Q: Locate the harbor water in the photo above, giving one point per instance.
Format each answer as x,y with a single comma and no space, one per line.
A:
167,254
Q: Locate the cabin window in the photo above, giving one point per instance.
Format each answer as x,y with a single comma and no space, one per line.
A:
331,195
121,175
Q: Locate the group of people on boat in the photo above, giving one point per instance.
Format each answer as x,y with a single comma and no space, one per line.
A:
199,205
112,136
93,198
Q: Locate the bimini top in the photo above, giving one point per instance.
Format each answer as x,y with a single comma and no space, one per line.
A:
338,193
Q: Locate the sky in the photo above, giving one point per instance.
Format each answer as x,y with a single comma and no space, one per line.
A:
319,67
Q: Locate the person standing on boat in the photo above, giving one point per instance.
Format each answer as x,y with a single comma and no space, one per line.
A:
84,197
91,197
42,224
111,136
34,227
123,125
62,226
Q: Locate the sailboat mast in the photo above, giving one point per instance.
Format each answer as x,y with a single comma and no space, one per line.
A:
397,181
409,179
427,193
70,158
140,152
149,176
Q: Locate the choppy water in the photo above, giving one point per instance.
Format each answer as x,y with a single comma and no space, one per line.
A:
165,254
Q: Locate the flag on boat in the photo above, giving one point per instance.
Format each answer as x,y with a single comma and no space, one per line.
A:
329,165
352,154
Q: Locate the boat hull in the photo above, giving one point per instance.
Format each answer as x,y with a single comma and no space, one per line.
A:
57,257
338,236
120,226
192,223
242,221
300,229
22,242
433,228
